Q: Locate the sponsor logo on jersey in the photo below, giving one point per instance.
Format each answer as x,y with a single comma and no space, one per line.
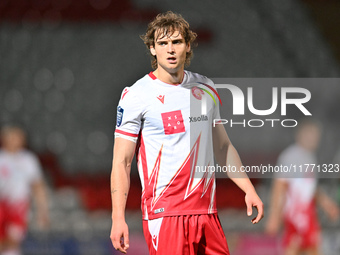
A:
199,118
173,122
161,98
120,112
4,172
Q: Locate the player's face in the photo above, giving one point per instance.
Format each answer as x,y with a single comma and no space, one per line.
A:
170,51
309,137
14,140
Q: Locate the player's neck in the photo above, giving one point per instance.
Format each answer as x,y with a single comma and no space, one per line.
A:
170,78
11,149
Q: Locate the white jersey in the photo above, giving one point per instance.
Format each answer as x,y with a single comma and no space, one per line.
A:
301,184
174,143
18,171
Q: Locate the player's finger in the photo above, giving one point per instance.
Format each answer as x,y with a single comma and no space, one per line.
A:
126,240
121,249
116,244
259,214
249,208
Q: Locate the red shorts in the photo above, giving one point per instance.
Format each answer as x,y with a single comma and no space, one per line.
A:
307,236
185,234
13,220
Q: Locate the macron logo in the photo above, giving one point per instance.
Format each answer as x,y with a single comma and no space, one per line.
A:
161,98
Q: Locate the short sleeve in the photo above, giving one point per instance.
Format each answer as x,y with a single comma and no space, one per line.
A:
34,168
129,115
283,161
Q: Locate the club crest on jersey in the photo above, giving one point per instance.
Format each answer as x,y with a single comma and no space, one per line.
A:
120,112
197,93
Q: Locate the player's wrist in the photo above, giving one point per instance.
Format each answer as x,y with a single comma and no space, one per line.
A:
250,189
118,217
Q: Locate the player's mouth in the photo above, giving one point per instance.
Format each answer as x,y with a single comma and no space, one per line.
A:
172,60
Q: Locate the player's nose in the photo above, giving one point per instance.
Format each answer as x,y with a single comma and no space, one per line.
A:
171,48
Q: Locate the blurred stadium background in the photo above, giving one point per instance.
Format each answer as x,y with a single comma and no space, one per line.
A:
64,63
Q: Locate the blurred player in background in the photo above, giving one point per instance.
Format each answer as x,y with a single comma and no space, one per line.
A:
160,118
20,177
337,162
294,195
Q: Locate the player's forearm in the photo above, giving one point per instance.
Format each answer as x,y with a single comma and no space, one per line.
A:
277,198
239,178
323,200
40,196
120,184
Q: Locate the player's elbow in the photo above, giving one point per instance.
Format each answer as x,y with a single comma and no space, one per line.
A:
120,164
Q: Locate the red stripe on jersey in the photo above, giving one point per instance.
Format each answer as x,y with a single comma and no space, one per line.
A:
213,91
142,156
180,175
152,76
154,177
126,133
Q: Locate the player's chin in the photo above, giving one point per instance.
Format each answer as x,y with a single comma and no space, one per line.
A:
172,69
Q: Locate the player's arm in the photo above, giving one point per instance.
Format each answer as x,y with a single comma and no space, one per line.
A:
123,153
277,200
41,201
327,204
226,155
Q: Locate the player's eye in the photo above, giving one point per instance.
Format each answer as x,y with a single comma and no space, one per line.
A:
161,43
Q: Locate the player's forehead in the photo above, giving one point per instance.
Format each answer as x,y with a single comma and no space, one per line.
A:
168,33
12,131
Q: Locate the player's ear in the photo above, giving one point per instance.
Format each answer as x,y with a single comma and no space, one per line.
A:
152,50
188,47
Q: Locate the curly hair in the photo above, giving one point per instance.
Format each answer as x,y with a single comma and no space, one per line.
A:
167,23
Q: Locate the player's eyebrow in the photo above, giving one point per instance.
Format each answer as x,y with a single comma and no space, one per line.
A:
163,39
172,40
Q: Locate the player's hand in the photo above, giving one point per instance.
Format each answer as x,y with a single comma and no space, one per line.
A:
331,209
120,235
328,205
253,200
43,221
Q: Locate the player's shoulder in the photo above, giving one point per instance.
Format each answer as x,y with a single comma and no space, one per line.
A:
196,77
2,153
28,155
293,153
293,149
137,89
287,151
141,83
